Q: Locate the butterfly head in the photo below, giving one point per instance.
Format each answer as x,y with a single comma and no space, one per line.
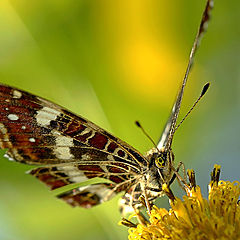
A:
161,161
161,158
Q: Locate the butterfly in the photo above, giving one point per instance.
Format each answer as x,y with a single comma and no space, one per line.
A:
68,149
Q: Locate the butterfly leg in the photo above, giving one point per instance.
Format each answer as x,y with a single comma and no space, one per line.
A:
147,203
181,181
184,171
133,197
138,215
140,218
136,196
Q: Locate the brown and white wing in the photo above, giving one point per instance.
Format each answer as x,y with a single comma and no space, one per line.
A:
70,148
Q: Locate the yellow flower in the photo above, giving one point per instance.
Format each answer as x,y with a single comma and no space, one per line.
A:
195,217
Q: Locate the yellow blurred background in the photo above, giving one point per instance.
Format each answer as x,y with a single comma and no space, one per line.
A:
115,62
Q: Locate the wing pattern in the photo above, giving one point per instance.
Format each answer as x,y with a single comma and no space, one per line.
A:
73,149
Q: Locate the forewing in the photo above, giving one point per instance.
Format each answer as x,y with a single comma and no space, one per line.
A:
36,131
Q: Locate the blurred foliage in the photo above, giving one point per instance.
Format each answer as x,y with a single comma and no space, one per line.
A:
115,62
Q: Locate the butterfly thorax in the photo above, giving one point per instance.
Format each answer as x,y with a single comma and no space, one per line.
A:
154,175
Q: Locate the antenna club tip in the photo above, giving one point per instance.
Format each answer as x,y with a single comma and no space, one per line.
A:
138,123
205,88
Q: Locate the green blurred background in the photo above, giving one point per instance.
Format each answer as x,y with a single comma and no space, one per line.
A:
115,62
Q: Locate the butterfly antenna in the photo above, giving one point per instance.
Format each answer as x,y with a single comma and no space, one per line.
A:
204,90
145,133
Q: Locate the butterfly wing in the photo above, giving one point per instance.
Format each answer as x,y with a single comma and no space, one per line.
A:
90,195
169,129
166,132
39,132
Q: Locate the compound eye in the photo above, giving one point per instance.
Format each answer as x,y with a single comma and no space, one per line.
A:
160,162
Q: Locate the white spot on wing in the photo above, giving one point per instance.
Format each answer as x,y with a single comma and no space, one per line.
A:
74,173
13,117
17,94
62,149
100,190
63,153
23,127
64,141
8,157
46,115
32,140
